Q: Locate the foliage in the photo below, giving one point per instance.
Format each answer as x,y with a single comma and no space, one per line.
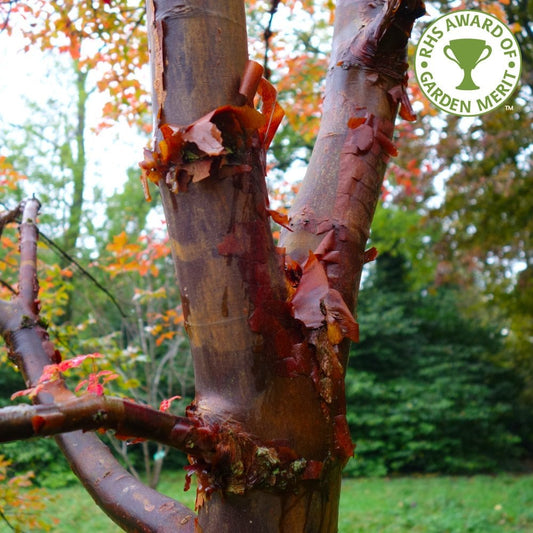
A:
486,215
104,37
21,507
40,455
423,390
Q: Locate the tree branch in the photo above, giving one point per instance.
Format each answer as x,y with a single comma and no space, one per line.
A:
128,502
267,34
9,216
28,283
365,87
90,412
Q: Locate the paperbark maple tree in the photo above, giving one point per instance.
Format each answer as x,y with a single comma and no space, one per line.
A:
269,325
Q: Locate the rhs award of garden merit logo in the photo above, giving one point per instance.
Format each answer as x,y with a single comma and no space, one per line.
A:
467,63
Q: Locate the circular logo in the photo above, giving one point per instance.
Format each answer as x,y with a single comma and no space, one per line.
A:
467,63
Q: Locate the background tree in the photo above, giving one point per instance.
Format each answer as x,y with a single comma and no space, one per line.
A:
424,385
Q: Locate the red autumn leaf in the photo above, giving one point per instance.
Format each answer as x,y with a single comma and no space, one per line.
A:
51,373
165,404
95,382
75,361
30,393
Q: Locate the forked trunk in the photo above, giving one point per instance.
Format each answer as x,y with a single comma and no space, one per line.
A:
269,334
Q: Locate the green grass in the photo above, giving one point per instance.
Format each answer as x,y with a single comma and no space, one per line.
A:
480,504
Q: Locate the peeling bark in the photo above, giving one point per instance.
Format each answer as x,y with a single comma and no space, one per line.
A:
365,87
264,362
269,327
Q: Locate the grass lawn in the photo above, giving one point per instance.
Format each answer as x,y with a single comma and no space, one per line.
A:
481,504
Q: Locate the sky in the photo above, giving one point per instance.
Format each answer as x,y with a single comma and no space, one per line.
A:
30,75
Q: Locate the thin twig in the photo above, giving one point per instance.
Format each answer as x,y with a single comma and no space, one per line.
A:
8,287
6,21
4,518
67,256
267,34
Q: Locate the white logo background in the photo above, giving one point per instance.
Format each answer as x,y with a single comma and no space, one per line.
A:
496,76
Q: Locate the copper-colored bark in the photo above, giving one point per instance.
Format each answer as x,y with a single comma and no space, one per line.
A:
262,364
269,327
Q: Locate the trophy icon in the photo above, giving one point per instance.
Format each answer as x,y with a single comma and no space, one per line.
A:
467,53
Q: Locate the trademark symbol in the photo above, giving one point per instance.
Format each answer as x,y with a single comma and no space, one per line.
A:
509,107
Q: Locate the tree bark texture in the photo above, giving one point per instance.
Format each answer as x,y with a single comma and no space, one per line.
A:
270,327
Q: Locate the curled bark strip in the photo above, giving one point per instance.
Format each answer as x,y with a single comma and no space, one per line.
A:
213,142
250,81
316,304
272,111
382,38
191,153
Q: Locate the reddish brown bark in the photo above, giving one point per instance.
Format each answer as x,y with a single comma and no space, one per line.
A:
268,348
269,327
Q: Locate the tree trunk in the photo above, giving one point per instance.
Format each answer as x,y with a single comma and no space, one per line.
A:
269,337
269,326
